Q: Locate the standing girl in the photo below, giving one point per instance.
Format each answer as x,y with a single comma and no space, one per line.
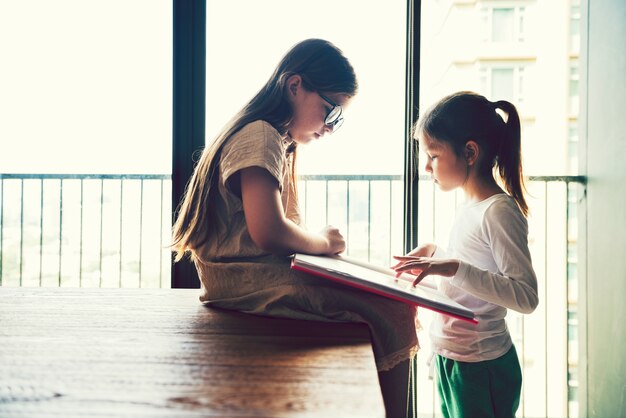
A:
487,266
239,219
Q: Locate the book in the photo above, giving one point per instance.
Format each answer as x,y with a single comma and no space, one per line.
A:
382,281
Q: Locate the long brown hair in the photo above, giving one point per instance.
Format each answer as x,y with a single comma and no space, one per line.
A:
465,116
322,67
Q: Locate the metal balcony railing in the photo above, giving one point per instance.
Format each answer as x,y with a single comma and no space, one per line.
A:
114,231
85,230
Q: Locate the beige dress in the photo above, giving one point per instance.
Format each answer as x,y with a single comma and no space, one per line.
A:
236,274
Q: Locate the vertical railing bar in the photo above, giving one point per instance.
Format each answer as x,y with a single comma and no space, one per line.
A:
348,215
412,382
101,227
1,225
523,366
140,229
434,385
434,213
161,239
80,257
545,293
306,200
326,215
121,228
41,232
369,218
567,215
60,229
21,228
434,392
391,228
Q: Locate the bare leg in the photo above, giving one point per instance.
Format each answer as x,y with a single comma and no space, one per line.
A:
394,384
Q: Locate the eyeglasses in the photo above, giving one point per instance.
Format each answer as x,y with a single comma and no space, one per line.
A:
334,118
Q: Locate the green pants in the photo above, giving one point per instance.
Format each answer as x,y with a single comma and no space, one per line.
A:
480,390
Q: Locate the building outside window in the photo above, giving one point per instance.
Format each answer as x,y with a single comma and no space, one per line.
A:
503,24
574,81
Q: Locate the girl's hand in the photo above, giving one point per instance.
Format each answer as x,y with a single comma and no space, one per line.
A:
336,242
424,250
424,266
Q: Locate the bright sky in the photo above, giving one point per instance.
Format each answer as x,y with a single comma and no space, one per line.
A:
93,94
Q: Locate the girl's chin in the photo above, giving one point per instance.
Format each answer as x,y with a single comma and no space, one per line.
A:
308,138
442,187
301,141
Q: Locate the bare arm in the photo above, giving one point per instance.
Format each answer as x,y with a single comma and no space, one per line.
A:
270,229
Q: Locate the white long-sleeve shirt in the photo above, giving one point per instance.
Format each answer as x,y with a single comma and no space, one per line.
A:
490,238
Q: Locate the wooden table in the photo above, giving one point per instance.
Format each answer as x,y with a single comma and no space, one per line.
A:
160,353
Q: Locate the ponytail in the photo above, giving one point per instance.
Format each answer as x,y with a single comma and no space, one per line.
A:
509,155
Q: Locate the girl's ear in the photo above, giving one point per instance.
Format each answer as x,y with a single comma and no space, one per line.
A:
471,152
294,83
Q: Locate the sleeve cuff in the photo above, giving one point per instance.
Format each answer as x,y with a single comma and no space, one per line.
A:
461,274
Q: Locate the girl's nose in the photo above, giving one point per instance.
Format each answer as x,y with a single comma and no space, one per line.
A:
428,168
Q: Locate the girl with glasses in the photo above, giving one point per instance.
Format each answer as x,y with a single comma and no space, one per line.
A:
239,220
487,267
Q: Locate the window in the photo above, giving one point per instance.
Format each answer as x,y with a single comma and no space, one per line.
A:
79,76
85,128
572,147
503,82
503,24
356,172
524,58
574,26
574,78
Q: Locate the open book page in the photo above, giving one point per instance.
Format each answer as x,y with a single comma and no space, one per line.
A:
380,280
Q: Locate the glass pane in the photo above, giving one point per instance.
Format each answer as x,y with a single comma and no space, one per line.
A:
86,101
502,29
502,84
238,68
525,52
574,79
86,86
243,50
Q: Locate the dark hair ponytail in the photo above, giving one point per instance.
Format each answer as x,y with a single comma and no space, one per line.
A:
467,116
509,156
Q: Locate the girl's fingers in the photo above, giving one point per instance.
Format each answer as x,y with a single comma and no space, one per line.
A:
419,279
406,262
406,257
409,265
